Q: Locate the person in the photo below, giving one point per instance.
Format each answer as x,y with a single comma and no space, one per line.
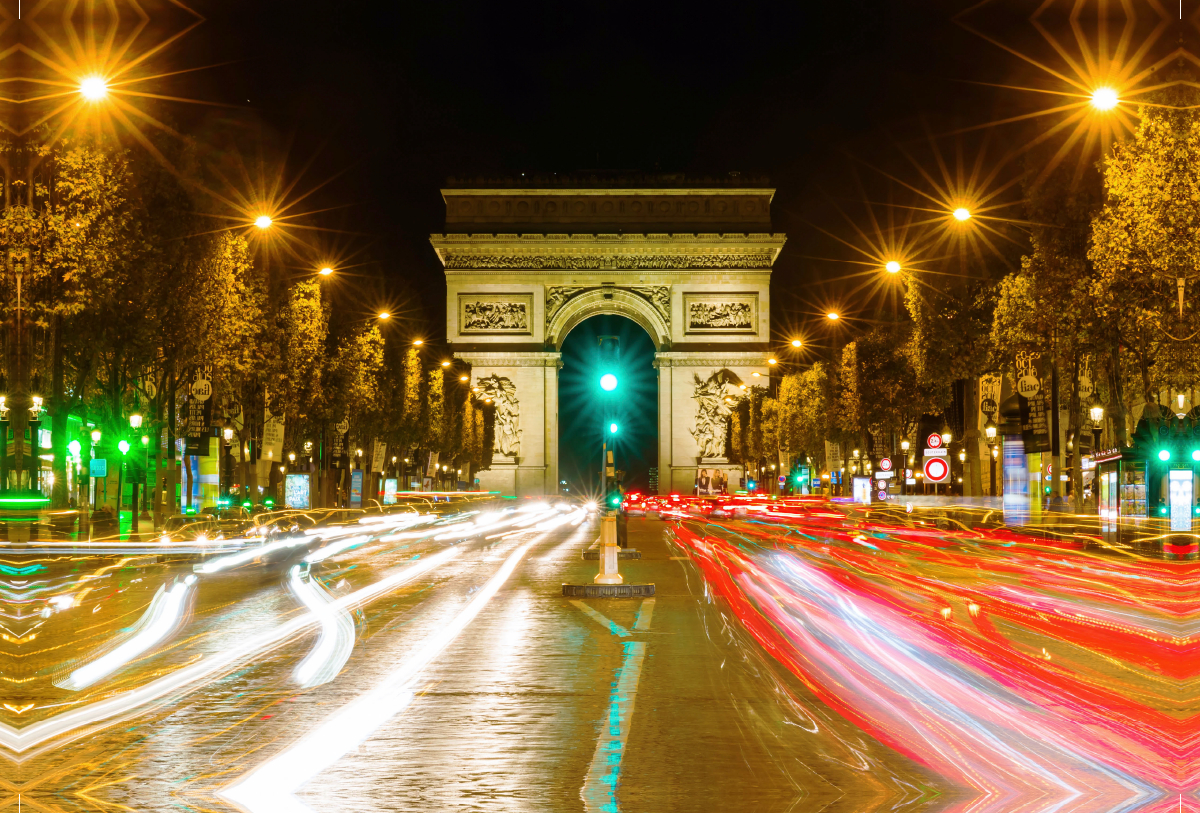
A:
703,483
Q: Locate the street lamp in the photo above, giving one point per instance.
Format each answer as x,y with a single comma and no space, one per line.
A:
797,343
263,221
326,271
96,436
445,364
135,421
947,435
93,88
989,430
832,316
962,214
1097,415
384,315
1105,98
462,378
892,267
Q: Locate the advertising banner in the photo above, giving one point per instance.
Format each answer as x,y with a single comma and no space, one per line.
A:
297,491
338,444
356,488
389,491
989,398
378,455
272,437
198,430
1033,395
711,481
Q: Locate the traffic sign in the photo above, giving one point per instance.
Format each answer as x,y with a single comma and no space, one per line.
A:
934,441
937,470
98,467
885,464
883,495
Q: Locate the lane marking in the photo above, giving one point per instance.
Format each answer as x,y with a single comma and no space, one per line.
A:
604,775
645,613
604,621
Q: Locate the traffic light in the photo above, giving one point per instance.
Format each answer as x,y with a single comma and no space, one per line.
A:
613,428
123,445
1195,454
610,359
1164,455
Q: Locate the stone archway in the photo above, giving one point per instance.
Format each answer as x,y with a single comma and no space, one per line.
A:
578,304
690,265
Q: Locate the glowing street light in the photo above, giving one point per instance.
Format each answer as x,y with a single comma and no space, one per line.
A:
445,364
608,382
326,271
892,267
462,378
95,436
1104,98
797,343
961,214
417,343
93,88
384,315
135,421
123,446
263,222
832,316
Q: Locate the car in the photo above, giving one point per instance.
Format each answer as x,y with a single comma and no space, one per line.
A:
634,505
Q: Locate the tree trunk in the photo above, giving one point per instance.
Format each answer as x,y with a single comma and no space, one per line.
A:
974,479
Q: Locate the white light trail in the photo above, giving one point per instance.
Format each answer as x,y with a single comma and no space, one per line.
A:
156,623
21,740
272,786
336,641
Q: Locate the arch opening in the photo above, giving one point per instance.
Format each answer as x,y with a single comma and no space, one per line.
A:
633,405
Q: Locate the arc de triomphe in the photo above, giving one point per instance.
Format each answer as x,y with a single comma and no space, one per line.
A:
691,265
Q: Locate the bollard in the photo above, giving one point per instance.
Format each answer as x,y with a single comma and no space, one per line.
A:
608,552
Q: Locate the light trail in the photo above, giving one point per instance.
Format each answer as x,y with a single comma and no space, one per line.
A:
273,785
160,618
336,641
79,720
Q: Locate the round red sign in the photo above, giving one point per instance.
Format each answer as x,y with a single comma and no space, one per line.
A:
934,441
936,470
885,464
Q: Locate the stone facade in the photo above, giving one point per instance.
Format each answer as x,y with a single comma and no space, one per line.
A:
525,266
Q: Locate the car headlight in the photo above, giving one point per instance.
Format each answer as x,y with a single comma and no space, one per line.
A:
164,539
201,537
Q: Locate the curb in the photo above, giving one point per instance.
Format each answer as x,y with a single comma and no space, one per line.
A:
607,590
593,554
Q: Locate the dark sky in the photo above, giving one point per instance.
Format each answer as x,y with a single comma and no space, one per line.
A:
393,98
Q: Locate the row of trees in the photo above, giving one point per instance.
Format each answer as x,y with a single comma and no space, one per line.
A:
131,283
1106,286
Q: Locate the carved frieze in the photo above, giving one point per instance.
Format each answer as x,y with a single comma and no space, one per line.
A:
720,313
630,262
658,296
497,313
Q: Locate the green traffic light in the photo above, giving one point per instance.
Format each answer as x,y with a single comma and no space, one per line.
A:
608,382
612,428
75,448
1164,455
123,445
1195,454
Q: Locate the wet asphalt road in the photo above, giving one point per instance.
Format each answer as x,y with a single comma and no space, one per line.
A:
537,704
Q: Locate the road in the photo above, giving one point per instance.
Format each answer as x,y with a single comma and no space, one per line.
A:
436,668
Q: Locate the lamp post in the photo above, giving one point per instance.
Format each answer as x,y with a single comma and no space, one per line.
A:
226,473
989,430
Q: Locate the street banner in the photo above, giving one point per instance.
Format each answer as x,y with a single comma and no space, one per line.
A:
833,456
1086,385
378,455
711,481
338,444
297,491
198,429
272,436
1033,395
431,467
989,398
356,488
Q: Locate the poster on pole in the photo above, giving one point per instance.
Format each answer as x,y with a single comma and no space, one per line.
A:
431,467
989,398
198,429
356,488
297,491
833,456
378,455
337,447
1033,396
272,436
